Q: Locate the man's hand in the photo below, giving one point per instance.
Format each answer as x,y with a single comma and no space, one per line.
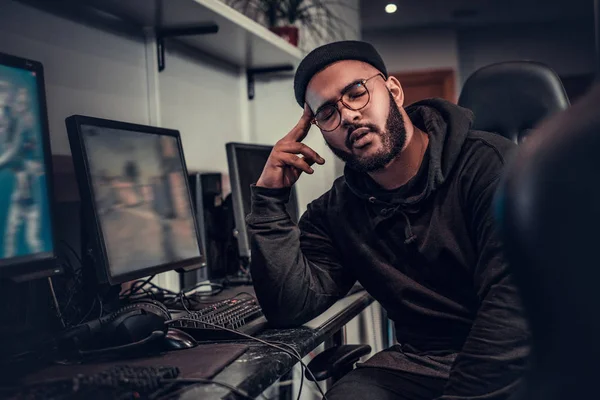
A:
284,166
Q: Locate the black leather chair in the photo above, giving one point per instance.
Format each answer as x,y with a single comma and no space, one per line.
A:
335,362
510,98
549,213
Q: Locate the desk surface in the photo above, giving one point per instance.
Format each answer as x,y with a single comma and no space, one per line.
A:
261,365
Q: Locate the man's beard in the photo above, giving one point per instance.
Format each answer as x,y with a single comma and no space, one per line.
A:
392,141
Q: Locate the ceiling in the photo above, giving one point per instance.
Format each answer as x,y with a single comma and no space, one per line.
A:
467,13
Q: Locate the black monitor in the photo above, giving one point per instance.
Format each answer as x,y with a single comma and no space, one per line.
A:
246,162
27,236
137,208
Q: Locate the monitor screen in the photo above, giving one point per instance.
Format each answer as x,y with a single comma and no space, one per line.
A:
26,232
246,162
141,199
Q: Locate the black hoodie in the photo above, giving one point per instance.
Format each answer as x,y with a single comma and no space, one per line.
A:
428,252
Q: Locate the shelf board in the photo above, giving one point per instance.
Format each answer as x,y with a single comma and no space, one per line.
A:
240,41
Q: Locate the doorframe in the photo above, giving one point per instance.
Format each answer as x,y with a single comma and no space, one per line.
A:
447,76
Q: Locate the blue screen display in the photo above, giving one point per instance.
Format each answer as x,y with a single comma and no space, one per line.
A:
25,228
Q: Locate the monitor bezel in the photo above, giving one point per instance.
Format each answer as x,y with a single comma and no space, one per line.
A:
236,195
46,263
80,160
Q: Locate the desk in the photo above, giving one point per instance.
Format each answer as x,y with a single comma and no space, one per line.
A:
261,365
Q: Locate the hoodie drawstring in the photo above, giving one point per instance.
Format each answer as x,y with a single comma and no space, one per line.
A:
410,237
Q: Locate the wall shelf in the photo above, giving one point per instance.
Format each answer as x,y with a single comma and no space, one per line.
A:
239,41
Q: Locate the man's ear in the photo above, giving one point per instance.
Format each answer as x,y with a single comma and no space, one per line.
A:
395,89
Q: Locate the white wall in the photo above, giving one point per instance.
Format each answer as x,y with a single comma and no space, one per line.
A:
204,101
88,71
568,49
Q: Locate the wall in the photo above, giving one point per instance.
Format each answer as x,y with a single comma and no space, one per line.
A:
205,101
105,80
109,80
417,49
567,48
411,50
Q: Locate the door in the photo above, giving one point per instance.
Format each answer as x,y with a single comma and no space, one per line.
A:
421,85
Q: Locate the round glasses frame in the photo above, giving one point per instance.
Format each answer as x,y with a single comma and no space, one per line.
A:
341,100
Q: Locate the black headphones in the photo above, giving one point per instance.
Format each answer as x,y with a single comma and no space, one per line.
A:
134,327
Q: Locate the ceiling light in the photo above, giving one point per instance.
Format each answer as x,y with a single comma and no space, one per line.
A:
391,8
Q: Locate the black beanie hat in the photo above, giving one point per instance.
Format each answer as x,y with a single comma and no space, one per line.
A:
322,56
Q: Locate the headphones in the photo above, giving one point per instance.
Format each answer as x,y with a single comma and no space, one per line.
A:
133,328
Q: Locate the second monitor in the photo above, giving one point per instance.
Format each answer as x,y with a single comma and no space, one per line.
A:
246,162
133,184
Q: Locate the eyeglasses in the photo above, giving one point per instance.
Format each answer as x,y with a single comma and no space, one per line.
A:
328,118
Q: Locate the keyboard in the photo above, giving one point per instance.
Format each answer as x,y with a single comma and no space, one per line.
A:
241,313
119,382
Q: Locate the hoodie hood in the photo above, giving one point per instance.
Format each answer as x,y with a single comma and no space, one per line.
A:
447,126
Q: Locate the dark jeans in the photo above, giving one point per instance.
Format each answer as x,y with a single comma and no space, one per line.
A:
383,384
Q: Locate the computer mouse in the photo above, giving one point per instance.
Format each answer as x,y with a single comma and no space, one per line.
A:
179,340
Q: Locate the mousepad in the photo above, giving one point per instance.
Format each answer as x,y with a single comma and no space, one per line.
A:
202,361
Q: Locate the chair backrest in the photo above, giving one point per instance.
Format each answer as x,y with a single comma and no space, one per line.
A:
549,213
511,98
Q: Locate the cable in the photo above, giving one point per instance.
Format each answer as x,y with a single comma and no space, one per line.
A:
56,305
135,287
205,283
160,289
64,309
88,313
101,306
258,340
168,297
219,289
68,246
249,294
303,366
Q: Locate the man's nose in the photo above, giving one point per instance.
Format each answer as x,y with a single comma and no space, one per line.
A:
349,116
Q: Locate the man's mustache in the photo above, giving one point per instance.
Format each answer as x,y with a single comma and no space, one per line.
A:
373,128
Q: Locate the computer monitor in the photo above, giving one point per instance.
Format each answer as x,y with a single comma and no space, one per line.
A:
27,243
136,201
246,162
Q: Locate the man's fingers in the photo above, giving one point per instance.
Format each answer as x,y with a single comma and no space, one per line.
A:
296,162
299,132
301,148
307,112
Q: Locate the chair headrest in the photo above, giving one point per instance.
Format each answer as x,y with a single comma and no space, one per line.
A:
550,216
510,98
